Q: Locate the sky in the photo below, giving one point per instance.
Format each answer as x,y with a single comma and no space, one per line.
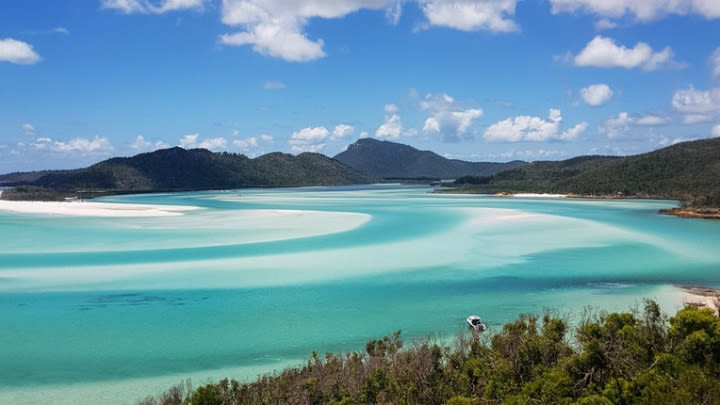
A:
479,80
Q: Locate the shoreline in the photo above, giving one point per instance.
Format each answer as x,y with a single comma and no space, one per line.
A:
690,212
682,212
701,296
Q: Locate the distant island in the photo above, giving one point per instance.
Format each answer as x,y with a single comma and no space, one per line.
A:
391,160
688,172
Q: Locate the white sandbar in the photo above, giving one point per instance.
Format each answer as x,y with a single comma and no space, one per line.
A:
92,209
537,195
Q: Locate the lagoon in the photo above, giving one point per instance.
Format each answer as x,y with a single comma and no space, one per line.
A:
108,309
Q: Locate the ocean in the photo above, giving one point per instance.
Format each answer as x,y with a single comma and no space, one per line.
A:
109,310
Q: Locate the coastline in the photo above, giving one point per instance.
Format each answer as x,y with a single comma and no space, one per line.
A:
682,212
701,297
693,212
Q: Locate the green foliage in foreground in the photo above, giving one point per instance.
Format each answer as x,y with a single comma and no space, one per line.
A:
637,357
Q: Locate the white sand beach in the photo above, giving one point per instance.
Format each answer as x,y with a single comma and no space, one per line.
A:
92,209
538,195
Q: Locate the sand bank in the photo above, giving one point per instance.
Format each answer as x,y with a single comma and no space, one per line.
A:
701,297
92,209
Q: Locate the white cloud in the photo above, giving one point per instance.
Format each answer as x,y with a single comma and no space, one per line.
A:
603,52
392,128
535,129
364,134
447,118
275,27
604,24
394,11
18,52
213,144
471,15
716,131
643,10
596,94
696,118
274,85
247,143
278,42
715,64
391,108
28,129
253,144
620,126
308,140
573,132
651,120
191,141
151,7
342,131
142,145
81,145
697,102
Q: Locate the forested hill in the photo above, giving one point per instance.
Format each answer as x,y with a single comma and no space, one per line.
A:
689,171
196,169
394,160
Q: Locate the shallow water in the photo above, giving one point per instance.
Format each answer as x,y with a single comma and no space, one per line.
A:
111,309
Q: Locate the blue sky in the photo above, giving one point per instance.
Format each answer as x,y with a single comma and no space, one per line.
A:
482,80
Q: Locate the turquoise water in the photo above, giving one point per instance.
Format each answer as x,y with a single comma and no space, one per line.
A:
110,309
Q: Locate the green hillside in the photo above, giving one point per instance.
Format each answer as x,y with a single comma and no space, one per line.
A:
394,160
178,169
688,171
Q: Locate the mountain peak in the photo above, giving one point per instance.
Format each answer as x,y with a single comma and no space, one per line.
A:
388,159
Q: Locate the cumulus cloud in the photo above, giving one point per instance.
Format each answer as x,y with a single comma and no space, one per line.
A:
391,108
604,24
532,129
716,131
80,145
603,52
596,94
143,145
253,144
697,103
28,129
447,118
151,6
192,141
247,143
642,10
392,128
276,27
471,15
342,131
624,122
309,140
17,52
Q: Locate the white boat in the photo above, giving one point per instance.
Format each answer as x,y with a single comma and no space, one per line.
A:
474,322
